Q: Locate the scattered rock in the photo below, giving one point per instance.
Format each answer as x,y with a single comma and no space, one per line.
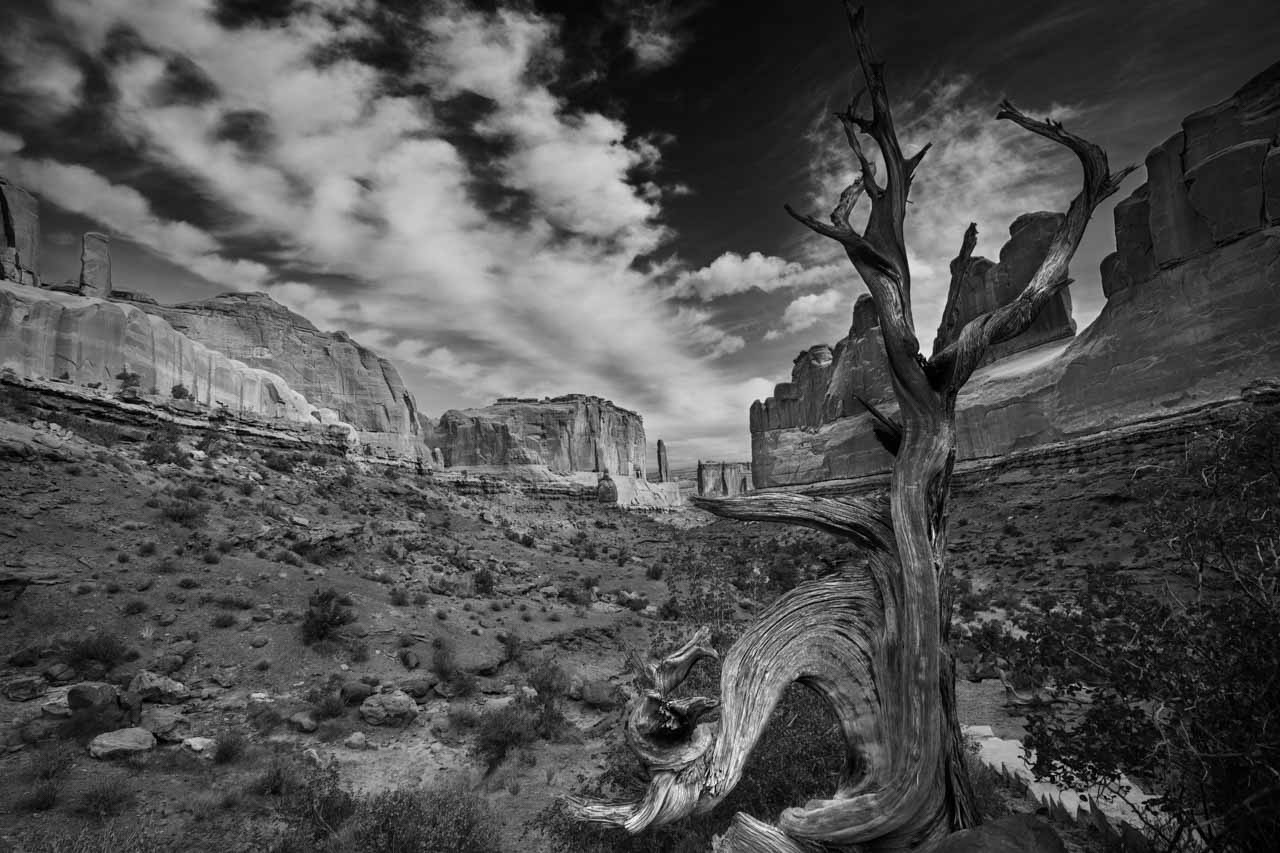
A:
420,686
121,742
24,689
356,740
396,707
157,688
258,642
59,673
90,695
303,721
30,656
164,723
200,745
355,692
602,695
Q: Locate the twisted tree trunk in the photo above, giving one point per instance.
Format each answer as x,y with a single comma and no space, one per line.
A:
873,643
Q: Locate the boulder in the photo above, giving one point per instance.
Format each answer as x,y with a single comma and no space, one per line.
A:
24,689
158,688
165,723
385,709
1226,189
602,695
355,692
89,695
303,721
95,265
121,742
356,740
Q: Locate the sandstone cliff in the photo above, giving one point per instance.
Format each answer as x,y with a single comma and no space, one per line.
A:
91,341
19,235
1192,313
724,479
571,433
329,368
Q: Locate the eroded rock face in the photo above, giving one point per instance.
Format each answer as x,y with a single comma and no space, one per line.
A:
724,479
19,235
980,286
330,369
664,470
571,433
1192,314
51,334
95,265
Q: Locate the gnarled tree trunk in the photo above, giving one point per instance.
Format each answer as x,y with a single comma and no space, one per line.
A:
873,643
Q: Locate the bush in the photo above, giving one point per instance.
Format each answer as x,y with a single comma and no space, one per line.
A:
180,392
282,462
1184,682
104,800
223,620
229,747
106,649
501,731
42,797
161,452
186,513
483,581
325,616
399,597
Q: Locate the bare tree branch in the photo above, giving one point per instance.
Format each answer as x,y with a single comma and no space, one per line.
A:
864,520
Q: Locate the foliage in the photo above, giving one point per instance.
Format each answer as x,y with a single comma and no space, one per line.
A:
1179,689
180,392
161,452
325,615
96,647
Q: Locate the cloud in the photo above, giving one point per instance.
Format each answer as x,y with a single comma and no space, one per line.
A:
807,311
732,273
978,170
41,73
654,33
382,206
124,212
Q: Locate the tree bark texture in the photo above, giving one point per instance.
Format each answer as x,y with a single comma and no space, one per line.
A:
873,642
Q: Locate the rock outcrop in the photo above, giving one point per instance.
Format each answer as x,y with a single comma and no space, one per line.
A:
979,285
565,434
331,370
1192,314
95,265
724,479
90,341
664,469
19,235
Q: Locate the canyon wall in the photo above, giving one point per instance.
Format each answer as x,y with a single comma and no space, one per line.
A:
570,433
724,479
90,341
333,371
19,235
1192,315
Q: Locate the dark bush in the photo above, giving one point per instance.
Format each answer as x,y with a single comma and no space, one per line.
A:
325,615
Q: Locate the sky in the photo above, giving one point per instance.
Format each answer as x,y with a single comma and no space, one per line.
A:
547,196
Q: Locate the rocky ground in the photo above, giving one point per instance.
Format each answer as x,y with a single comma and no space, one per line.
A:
159,605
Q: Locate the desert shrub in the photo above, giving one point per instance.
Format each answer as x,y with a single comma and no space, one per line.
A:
146,549
118,836
654,571
1182,683
281,777
161,452
229,746
96,647
399,597
188,583
445,665
134,607
51,763
128,379
42,796
483,581
282,462
223,620
180,392
186,513
323,816
104,800
325,616
501,731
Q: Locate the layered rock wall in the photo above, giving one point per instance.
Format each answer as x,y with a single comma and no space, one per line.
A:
333,371
570,433
1192,314
91,341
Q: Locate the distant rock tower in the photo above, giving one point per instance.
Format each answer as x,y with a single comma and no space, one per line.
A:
19,235
95,265
664,471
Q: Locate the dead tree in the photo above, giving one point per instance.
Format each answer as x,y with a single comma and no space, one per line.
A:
873,643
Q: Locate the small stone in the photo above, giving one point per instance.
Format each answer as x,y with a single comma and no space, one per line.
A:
355,692
303,721
158,688
121,742
24,689
163,722
60,673
199,745
258,641
90,695
164,620
356,740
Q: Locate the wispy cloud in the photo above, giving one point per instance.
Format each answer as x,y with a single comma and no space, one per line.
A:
732,273
806,311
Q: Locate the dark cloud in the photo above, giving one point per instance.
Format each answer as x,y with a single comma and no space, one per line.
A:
234,14
184,82
251,130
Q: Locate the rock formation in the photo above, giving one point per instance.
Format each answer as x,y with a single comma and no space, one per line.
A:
54,335
1192,314
664,470
19,235
979,285
724,479
95,265
334,372
565,434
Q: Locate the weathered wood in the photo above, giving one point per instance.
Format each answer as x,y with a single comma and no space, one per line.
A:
873,642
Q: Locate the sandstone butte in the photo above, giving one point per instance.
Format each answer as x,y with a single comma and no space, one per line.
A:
1192,314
